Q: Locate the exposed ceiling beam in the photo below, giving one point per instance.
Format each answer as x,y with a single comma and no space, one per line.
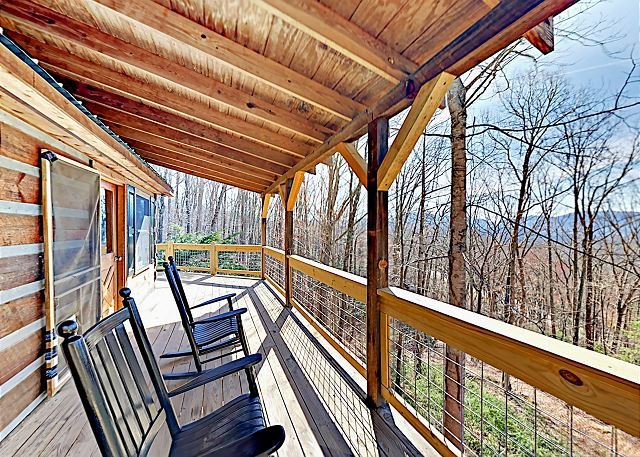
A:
204,158
542,36
253,163
95,97
162,158
44,20
504,24
424,106
298,179
250,63
342,35
355,161
77,69
221,178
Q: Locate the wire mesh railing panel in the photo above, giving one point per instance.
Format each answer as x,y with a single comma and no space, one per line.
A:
274,269
343,317
239,261
192,258
161,255
502,415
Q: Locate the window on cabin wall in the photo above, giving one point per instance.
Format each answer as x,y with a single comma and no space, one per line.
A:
139,231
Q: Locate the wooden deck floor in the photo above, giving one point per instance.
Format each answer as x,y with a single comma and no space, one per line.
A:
304,384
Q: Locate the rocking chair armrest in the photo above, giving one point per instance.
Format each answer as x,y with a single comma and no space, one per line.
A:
214,300
216,373
223,316
265,441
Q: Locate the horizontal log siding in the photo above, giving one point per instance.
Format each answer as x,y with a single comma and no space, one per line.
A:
21,273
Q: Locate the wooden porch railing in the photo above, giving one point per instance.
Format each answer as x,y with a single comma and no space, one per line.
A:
214,258
551,397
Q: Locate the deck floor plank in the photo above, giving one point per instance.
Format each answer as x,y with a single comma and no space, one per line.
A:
299,388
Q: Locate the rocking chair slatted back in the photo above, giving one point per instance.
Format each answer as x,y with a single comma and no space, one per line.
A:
185,313
124,412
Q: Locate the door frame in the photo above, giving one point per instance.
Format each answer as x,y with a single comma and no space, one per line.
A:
119,240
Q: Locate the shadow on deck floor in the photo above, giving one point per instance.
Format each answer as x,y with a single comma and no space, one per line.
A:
305,385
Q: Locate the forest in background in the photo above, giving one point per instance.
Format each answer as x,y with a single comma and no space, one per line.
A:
553,214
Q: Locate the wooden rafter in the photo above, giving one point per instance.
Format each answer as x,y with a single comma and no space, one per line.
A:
342,35
356,162
206,158
274,160
223,153
221,178
232,54
72,67
298,179
541,36
37,18
265,205
158,157
427,101
504,24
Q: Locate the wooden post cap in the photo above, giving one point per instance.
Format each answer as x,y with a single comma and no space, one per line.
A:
125,292
68,328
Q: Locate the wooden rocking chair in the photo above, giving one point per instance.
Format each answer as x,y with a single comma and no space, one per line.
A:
126,415
204,335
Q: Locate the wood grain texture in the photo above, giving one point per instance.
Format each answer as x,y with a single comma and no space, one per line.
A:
356,162
422,110
340,34
20,270
18,186
541,36
18,229
21,396
602,386
15,358
66,28
250,63
20,312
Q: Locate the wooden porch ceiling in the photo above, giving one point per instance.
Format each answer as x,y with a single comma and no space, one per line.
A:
249,92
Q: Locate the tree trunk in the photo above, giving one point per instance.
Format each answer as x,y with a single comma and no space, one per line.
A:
454,365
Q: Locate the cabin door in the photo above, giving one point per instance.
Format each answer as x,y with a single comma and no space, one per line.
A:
108,247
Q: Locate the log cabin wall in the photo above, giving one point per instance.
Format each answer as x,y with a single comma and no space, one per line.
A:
21,269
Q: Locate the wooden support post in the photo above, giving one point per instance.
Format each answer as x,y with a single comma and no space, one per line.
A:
377,255
288,239
213,259
169,251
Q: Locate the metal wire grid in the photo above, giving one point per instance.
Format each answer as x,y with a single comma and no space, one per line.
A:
342,316
161,256
274,269
249,261
346,408
502,415
192,258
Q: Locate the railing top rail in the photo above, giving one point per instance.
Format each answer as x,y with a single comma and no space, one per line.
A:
238,247
353,285
274,252
593,382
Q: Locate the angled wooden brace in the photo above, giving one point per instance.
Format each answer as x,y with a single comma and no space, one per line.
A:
427,101
295,190
356,161
265,205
